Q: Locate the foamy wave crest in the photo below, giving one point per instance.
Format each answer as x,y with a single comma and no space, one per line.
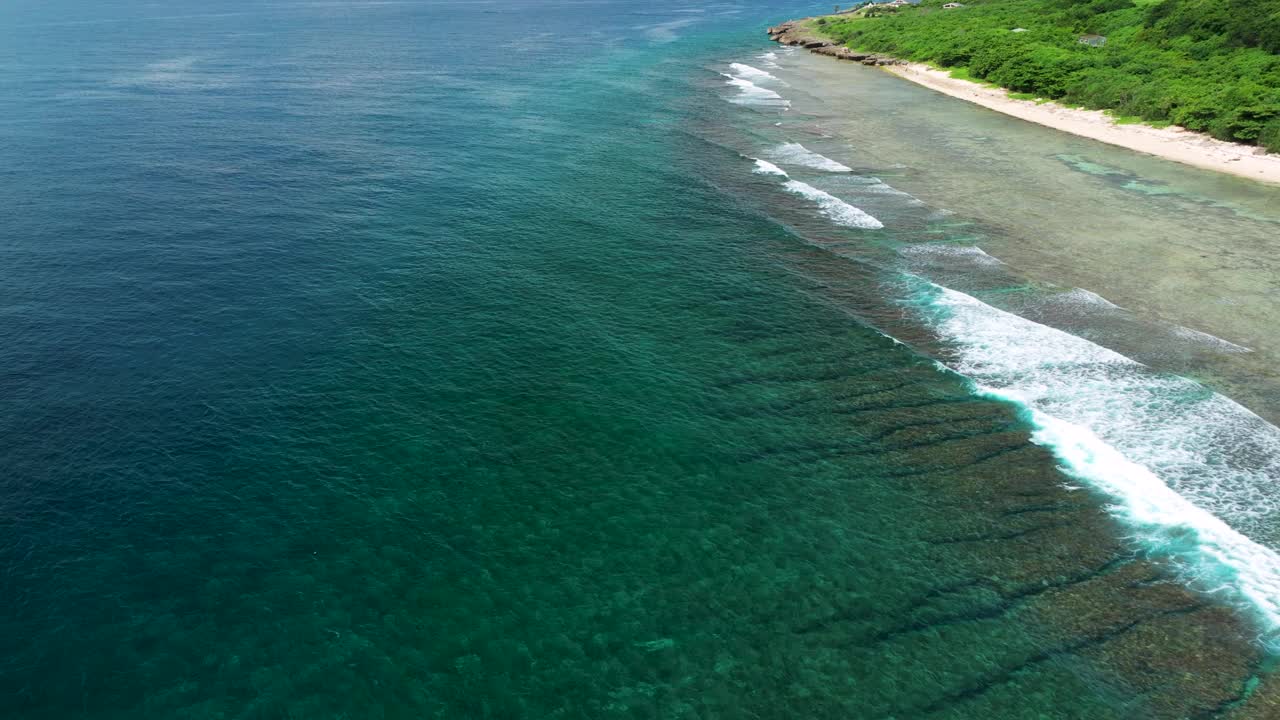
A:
1215,557
1213,341
751,94
1086,298
797,154
1192,472
833,207
876,186
746,71
764,167
970,253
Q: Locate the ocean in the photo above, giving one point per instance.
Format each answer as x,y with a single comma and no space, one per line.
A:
599,359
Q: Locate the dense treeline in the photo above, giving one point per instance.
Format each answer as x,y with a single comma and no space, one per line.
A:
1209,65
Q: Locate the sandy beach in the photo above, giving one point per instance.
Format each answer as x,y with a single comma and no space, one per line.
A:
1171,143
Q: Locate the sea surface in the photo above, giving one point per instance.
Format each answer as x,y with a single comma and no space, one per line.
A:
599,359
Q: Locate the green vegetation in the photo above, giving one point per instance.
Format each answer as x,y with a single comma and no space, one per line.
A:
1208,65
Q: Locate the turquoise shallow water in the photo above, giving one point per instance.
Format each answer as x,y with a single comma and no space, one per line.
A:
418,360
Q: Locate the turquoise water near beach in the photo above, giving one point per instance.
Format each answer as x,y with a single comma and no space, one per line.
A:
400,359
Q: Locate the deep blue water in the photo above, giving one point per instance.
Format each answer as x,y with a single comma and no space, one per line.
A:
435,359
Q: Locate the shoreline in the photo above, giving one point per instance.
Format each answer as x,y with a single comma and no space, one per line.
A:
939,152
1170,143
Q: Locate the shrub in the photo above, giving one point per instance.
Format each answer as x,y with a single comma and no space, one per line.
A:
1210,65
1246,124
1269,138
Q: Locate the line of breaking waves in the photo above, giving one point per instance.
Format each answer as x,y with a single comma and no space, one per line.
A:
770,59
764,167
839,211
749,93
1191,473
747,71
796,154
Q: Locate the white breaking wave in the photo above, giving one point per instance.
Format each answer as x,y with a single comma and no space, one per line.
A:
1192,472
770,60
751,94
1213,341
1216,557
764,167
876,186
972,253
746,71
797,154
833,207
1086,298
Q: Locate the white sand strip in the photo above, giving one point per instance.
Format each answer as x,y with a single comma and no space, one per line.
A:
1172,143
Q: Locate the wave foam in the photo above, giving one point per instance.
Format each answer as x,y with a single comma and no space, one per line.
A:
797,154
1191,471
1204,338
1215,557
971,253
764,167
751,94
1085,298
876,186
833,207
746,71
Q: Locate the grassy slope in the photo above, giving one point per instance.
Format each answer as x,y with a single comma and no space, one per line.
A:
1209,66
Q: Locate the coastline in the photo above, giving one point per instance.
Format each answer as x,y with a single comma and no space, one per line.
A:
1058,215
1170,143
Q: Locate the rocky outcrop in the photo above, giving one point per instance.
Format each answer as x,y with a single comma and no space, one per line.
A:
798,32
842,53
